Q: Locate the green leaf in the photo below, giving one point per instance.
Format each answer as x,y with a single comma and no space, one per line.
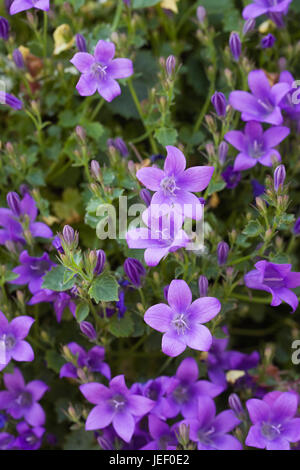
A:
121,327
54,279
82,311
166,136
144,3
104,288
253,229
215,187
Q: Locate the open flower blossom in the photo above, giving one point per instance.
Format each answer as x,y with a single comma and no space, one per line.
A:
92,360
255,145
116,405
163,235
263,7
32,270
163,438
20,400
100,71
181,320
277,279
21,5
23,215
12,344
274,423
185,390
174,184
263,103
290,104
211,431
61,301
29,438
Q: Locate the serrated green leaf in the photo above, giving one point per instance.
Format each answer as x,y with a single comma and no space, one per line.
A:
121,327
104,288
54,280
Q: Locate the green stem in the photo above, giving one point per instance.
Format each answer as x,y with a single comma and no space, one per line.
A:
240,260
245,298
45,33
117,17
97,109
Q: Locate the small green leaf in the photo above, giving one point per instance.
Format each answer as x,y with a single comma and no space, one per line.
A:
215,187
54,279
253,229
121,327
166,136
144,3
104,288
82,311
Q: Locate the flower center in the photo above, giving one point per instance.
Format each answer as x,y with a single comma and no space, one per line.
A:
205,437
9,341
271,431
118,402
180,323
256,150
99,70
266,104
168,185
24,399
40,267
180,394
163,441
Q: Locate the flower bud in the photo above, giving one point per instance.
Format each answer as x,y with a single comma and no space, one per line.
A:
268,41
279,177
235,46
101,258
80,132
80,43
222,252
70,237
249,26
223,150
166,290
236,405
14,203
134,270
297,227
18,59
4,28
170,65
203,286
88,330
219,102
145,196
201,14
96,170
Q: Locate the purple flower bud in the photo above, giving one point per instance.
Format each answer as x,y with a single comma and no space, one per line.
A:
235,45
249,26
170,65
120,145
223,150
145,196
203,285
279,177
201,14
222,252
4,28
297,227
88,330
101,258
268,41
219,102
95,169
57,244
80,132
69,235
156,157
236,405
80,43
14,203
202,201
10,100
134,270
166,290
18,59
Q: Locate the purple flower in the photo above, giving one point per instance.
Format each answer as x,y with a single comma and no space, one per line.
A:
277,279
155,390
116,405
220,360
185,389
32,271
173,184
93,360
80,43
258,189
29,438
100,71
163,235
18,59
145,196
203,286
181,320
101,258
88,330
22,5
118,144
10,100
201,14
297,227
223,151
222,252
290,104
61,301
163,438
274,422
7,441
255,145
4,28
235,46
231,177
268,41
219,102
13,225
20,400
263,7
249,26
263,104
279,177
134,270
12,340
211,431
170,65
